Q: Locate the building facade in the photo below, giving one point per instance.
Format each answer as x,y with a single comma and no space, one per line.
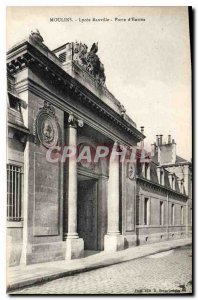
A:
59,203
164,195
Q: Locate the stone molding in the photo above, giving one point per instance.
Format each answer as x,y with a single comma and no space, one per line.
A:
156,186
60,103
18,61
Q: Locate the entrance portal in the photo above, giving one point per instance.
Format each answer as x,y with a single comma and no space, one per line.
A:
88,211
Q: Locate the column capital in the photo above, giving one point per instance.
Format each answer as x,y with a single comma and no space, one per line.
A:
73,121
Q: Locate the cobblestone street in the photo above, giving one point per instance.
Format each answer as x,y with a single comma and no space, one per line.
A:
166,272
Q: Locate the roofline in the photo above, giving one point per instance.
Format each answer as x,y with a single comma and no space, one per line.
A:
161,186
60,47
32,48
177,164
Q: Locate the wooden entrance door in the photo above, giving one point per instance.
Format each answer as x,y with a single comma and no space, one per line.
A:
87,213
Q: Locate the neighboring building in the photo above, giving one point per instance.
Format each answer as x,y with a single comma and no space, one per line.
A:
164,195
55,210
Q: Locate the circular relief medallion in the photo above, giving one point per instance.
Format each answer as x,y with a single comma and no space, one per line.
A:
47,130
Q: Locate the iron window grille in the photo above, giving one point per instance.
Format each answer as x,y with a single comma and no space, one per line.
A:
14,193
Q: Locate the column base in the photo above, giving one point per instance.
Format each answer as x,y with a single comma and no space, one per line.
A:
113,243
74,248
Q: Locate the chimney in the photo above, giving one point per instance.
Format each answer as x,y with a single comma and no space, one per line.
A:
173,151
161,135
157,139
142,129
169,139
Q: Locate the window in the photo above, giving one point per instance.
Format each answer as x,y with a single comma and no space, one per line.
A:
161,213
173,182
14,192
161,177
62,57
182,186
172,214
137,210
14,103
146,211
147,171
182,215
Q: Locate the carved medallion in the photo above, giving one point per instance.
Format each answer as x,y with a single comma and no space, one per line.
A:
131,171
46,127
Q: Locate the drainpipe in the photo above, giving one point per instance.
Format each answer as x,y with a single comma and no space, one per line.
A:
167,227
187,223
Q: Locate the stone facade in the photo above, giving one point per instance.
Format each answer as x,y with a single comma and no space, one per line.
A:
167,184
57,210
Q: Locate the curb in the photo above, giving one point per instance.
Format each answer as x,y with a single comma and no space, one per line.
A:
46,278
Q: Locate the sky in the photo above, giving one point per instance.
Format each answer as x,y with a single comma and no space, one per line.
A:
147,63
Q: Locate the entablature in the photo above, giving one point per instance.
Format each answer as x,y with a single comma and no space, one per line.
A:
25,55
158,187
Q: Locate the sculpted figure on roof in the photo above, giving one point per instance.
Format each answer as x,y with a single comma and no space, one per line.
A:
89,60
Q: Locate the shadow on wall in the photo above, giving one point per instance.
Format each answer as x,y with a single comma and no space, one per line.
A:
13,252
130,243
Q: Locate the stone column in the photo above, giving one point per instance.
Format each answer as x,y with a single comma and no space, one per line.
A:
113,240
74,244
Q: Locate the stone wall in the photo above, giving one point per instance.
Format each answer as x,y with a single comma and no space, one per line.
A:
15,155
153,231
43,192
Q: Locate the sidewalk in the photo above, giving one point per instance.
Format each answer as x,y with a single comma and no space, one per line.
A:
21,276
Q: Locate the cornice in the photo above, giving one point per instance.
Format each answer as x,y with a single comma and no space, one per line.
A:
184,163
69,108
25,55
159,187
21,128
87,172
